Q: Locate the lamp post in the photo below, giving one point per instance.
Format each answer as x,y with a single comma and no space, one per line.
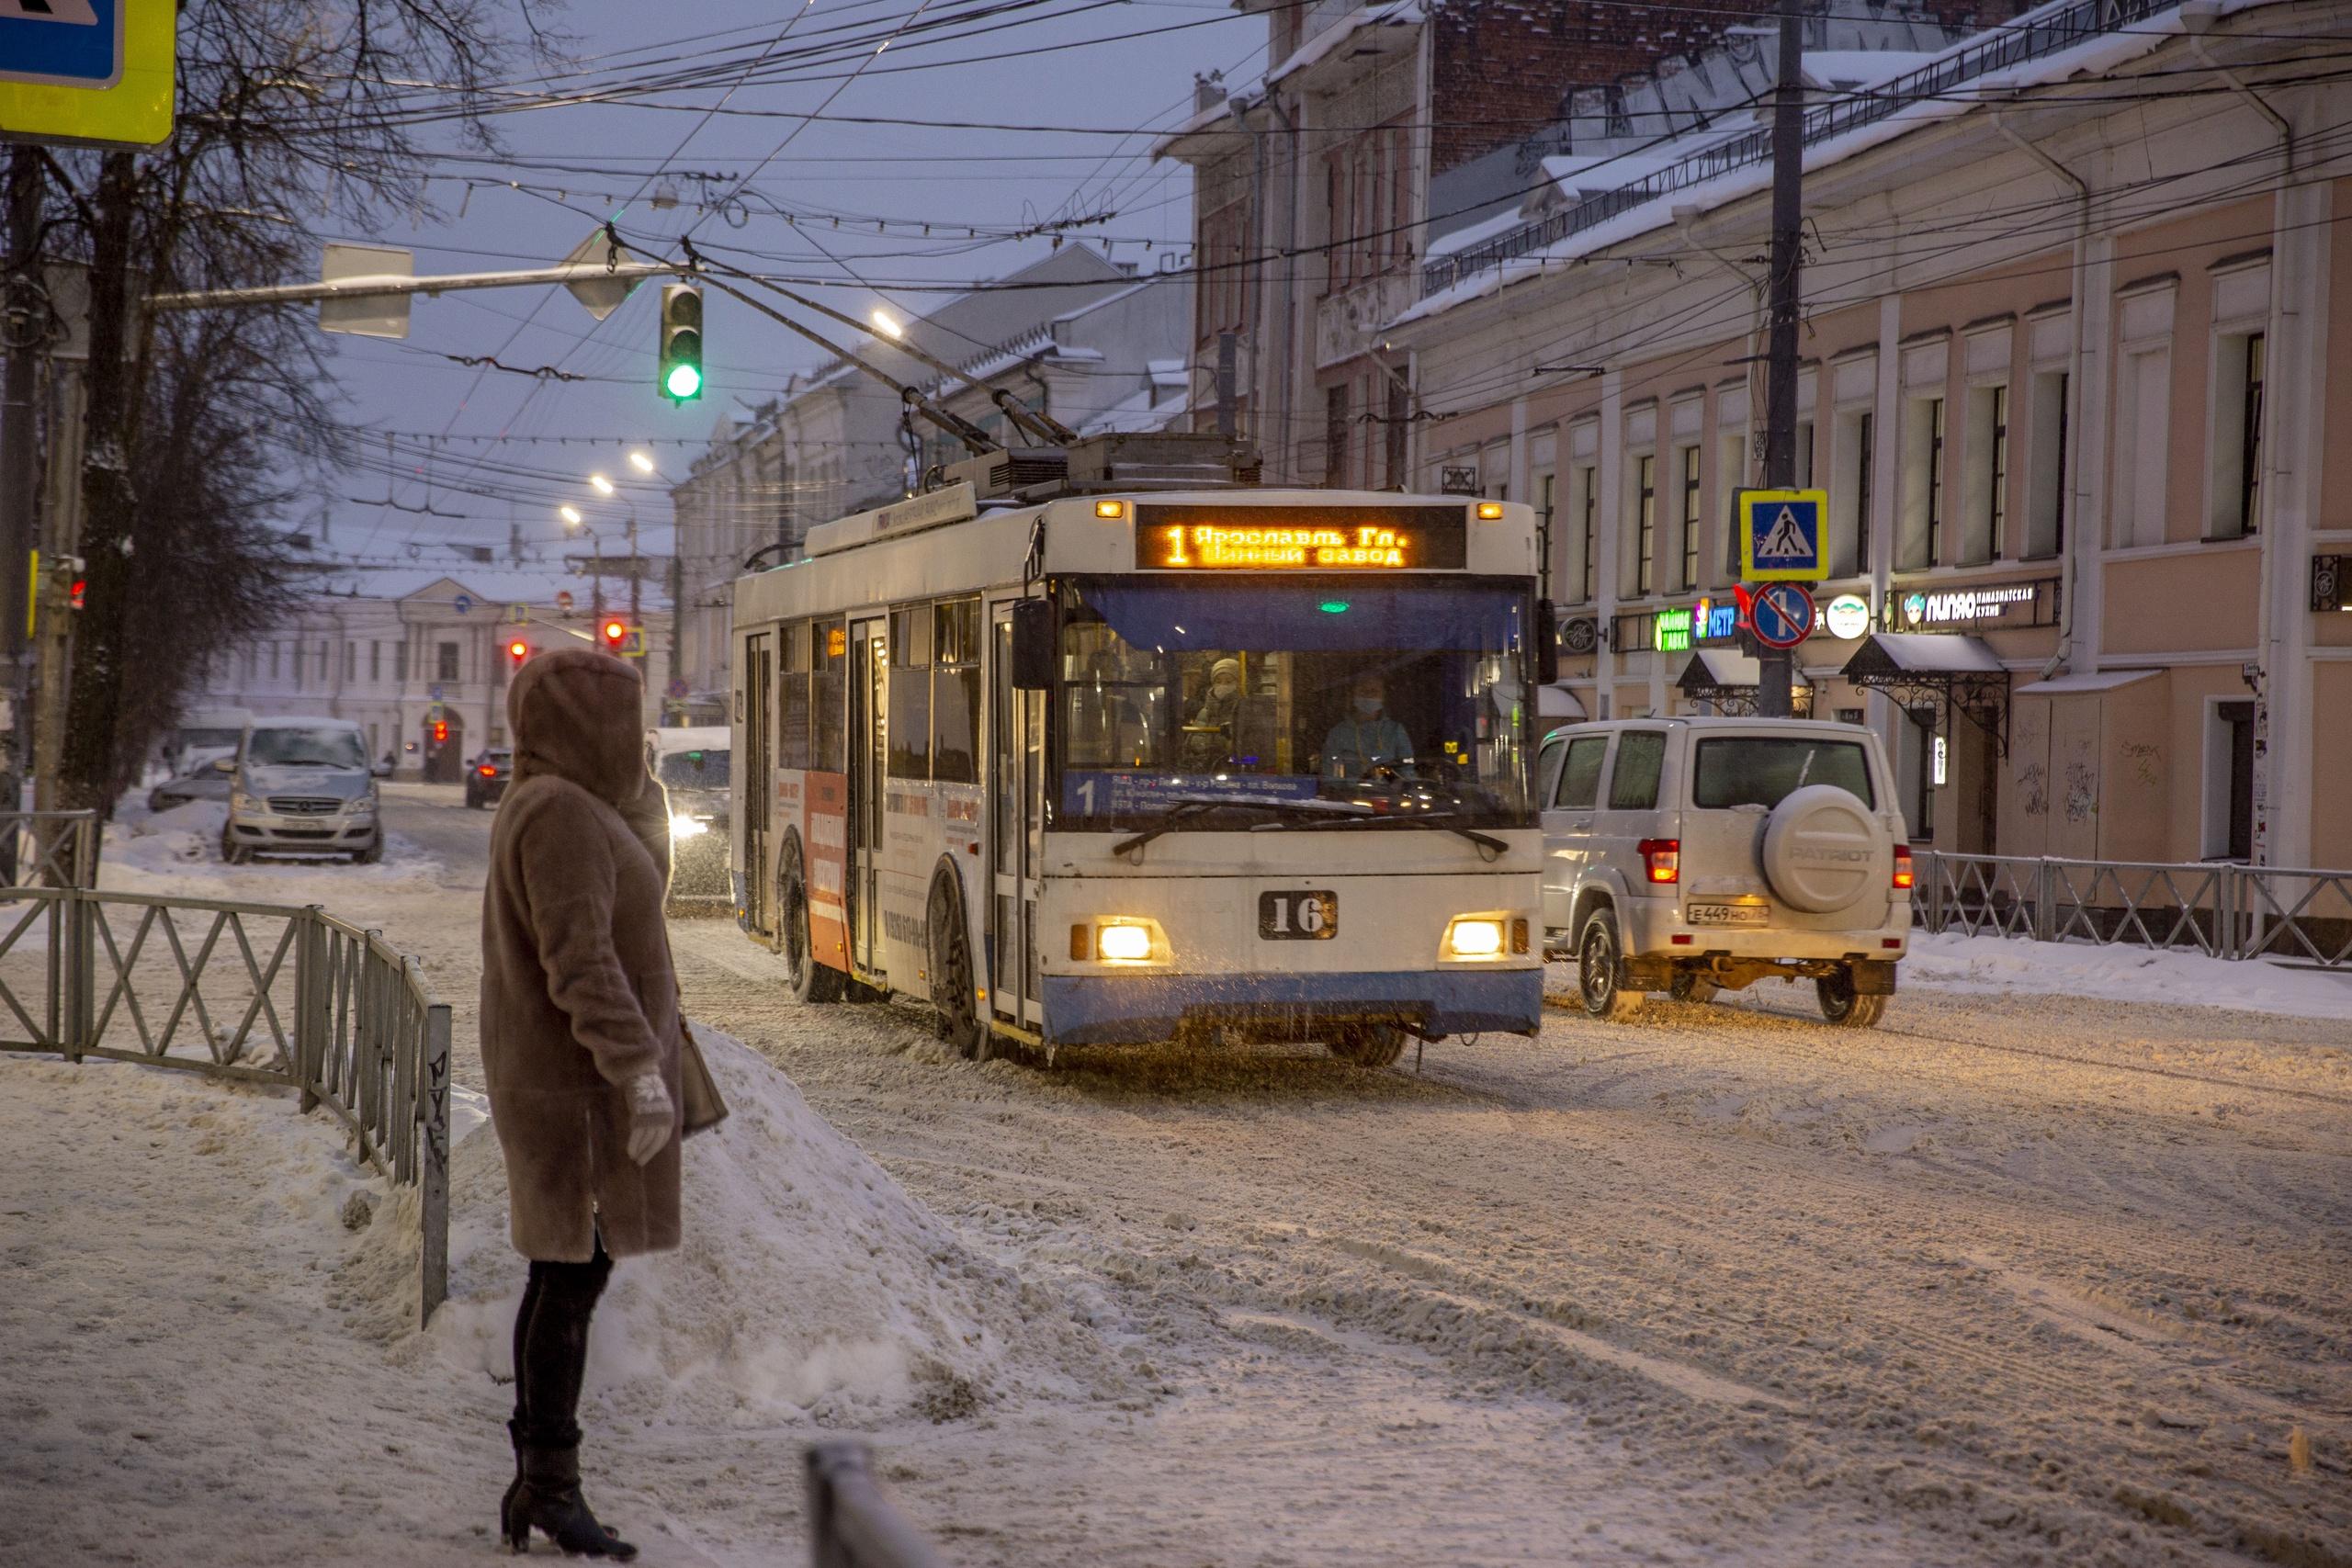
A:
608,490
642,461
573,519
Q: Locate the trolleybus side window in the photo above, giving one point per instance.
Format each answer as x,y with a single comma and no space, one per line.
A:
829,655
910,726
956,690
1404,701
792,698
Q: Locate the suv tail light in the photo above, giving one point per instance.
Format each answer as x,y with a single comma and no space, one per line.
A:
1663,858
1903,877
489,770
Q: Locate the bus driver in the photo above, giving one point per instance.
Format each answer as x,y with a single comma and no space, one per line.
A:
1367,743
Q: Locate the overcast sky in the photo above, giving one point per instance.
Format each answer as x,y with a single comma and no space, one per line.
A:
581,164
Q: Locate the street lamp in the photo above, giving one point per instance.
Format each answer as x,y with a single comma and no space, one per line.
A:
641,461
573,519
603,485
885,324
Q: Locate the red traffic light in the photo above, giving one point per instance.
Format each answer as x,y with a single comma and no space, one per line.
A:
616,634
518,650
80,586
440,732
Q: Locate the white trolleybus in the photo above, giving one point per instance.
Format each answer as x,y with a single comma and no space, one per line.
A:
1121,765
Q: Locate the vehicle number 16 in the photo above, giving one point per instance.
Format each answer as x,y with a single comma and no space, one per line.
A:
1310,915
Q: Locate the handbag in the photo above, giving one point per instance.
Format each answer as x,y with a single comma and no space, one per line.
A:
703,1107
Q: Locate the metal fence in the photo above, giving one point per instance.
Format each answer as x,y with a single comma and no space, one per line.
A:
1997,49
255,993
851,1524
48,849
2219,909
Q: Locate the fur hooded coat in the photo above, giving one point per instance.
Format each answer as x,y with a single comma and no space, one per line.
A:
578,994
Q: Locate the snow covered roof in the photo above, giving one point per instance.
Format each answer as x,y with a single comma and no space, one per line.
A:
1726,667
1557,701
1952,653
1710,169
1137,414
1396,13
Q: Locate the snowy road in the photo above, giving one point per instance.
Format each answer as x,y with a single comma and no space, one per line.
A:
2019,1278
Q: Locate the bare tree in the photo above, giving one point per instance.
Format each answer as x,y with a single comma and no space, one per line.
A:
288,113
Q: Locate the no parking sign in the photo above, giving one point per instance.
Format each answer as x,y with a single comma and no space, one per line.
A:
1781,615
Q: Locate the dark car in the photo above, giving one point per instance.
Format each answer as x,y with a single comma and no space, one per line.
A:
208,780
487,779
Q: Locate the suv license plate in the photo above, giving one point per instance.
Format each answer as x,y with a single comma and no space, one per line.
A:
1289,915
1728,914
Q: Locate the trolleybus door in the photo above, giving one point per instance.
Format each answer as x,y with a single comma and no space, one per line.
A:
868,750
1016,831
754,786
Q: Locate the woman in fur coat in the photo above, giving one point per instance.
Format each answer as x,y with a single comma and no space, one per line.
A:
580,1045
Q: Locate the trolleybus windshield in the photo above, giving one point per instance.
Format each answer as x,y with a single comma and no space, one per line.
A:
1406,699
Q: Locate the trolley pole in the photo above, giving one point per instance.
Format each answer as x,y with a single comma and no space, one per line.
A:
1776,664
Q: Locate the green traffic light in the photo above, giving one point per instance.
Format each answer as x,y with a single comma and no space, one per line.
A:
1333,606
684,381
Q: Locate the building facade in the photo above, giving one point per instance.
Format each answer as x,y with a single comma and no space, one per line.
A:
404,651
2072,323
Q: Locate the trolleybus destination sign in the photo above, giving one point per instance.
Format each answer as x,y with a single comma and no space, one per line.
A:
1300,538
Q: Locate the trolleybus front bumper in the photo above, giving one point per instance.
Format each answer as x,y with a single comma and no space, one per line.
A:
1131,1009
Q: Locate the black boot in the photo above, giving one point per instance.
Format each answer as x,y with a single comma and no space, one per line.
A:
546,1496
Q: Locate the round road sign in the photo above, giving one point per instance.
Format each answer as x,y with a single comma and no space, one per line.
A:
1782,615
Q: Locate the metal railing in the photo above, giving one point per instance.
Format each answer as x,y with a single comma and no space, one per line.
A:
2219,907
2014,44
851,1524
51,848
255,993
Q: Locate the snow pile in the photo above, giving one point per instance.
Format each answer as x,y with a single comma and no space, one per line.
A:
1953,962
178,854
809,1286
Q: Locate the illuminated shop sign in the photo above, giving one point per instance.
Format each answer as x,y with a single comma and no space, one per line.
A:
1994,604
1300,538
1848,615
1677,630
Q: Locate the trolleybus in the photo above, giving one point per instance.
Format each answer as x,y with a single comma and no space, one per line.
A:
1117,767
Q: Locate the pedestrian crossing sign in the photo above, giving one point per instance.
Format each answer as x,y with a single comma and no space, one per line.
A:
1781,536
87,73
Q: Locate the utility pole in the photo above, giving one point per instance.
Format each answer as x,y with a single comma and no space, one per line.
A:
23,329
1224,378
1775,671
677,613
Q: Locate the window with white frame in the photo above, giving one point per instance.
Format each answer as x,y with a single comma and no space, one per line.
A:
1921,544
1641,504
1731,459
1588,504
1985,518
2236,506
2142,447
2045,519
1689,517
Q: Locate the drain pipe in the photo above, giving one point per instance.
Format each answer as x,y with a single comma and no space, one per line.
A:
2196,18
2076,446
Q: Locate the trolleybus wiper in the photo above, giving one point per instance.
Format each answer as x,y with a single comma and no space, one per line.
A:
1489,847
1194,805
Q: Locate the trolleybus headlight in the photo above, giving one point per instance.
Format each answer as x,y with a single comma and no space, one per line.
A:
1475,939
684,827
1128,942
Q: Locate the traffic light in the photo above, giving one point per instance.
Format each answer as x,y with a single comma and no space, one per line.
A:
679,372
440,732
616,634
517,650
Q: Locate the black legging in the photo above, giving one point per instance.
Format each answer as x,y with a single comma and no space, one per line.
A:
552,1348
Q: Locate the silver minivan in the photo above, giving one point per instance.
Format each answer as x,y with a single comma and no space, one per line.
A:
1685,855
302,786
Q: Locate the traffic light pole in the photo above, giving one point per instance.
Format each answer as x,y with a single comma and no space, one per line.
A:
1776,672
22,328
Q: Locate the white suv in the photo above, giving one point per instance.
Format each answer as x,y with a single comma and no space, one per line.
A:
1685,855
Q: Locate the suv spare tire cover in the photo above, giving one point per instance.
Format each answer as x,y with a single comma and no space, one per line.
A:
1823,851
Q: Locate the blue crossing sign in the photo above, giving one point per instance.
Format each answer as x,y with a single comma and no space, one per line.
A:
1781,615
1781,534
94,73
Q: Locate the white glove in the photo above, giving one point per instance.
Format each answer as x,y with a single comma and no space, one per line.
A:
649,1116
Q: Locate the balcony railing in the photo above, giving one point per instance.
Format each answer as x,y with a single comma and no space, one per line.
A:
2045,33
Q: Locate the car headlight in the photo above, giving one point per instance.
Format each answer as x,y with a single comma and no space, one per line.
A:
684,827
1474,939
1129,943
239,801
360,805
1119,939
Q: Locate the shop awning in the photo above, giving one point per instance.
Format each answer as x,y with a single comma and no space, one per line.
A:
1954,669
1726,679
1557,702
2067,685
